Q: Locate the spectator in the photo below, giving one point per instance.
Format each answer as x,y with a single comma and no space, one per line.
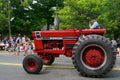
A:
30,47
18,42
14,39
114,43
26,45
23,39
5,40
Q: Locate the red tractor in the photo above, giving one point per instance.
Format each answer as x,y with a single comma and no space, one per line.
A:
92,54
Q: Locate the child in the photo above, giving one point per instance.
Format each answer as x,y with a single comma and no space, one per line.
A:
26,48
30,47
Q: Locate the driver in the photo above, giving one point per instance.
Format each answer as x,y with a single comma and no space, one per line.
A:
93,24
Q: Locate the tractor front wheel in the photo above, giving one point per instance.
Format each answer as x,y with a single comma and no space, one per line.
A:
32,64
93,56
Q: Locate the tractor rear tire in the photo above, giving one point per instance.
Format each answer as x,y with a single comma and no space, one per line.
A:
32,64
93,56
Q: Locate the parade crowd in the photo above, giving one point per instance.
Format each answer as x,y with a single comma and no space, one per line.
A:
18,44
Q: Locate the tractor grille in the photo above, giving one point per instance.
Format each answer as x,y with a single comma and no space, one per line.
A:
37,33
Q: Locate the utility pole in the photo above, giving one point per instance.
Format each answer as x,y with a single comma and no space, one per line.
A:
9,25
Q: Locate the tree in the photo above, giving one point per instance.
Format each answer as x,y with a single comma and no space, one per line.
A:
20,22
29,15
43,10
112,14
3,16
77,13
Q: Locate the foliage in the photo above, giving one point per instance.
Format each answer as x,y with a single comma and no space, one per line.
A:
77,13
29,15
3,16
113,22
43,11
32,15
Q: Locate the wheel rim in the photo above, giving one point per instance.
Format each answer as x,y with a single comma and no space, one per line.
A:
31,65
93,57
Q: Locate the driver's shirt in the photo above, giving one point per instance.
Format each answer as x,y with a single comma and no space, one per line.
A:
95,25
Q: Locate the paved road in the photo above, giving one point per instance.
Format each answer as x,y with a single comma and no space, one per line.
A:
62,69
